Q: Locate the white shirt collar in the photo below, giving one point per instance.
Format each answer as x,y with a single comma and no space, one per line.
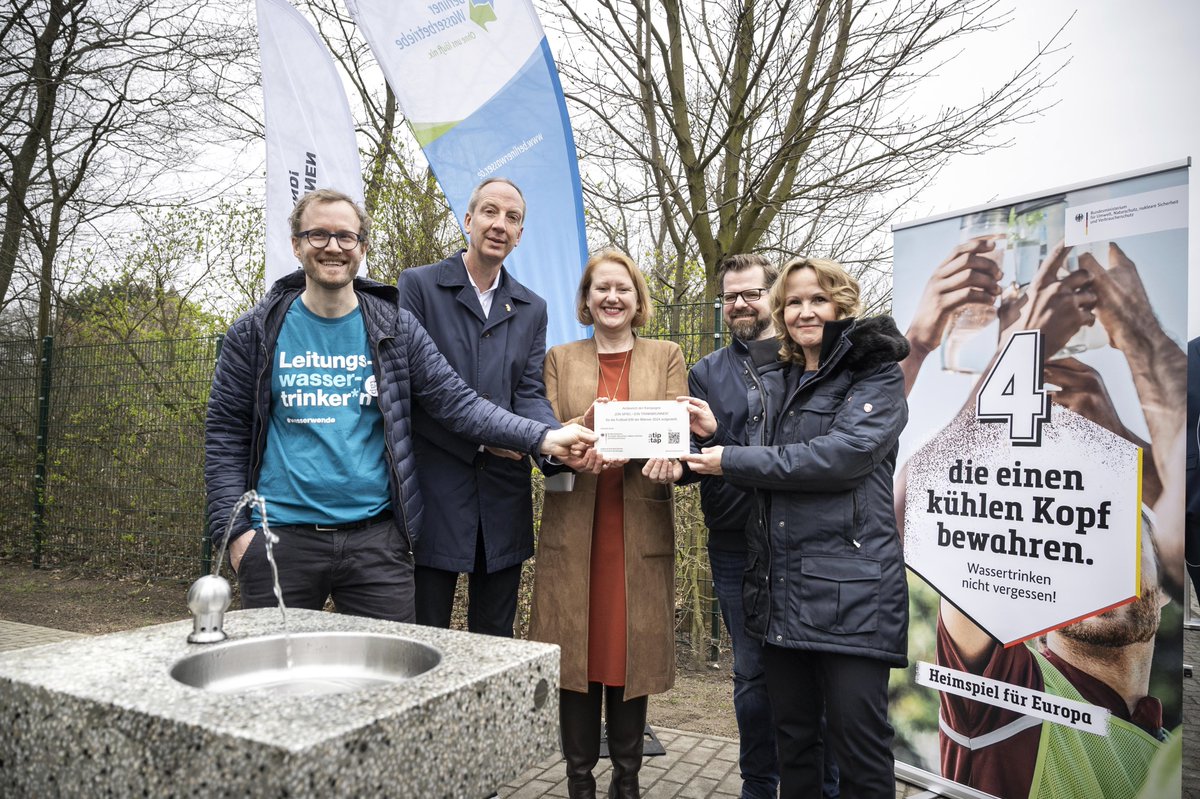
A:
485,297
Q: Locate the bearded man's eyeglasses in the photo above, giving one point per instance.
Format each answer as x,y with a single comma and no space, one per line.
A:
749,295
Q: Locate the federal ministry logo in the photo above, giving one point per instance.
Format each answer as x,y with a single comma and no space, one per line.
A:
483,12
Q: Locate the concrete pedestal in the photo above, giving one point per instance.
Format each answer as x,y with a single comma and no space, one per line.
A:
102,716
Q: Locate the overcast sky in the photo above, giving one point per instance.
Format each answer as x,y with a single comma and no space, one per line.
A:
1127,100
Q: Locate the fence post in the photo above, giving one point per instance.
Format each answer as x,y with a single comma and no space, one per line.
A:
714,649
206,553
41,449
717,324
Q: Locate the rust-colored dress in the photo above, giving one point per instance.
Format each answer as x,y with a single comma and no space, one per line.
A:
606,600
563,580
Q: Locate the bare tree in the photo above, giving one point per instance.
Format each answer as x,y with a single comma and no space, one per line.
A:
105,104
771,125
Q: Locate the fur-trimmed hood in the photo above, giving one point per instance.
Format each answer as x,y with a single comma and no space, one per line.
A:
867,343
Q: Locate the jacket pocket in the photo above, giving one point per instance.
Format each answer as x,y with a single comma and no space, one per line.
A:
839,595
816,416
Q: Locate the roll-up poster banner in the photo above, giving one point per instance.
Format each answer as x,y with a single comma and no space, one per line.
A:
478,85
309,130
1041,491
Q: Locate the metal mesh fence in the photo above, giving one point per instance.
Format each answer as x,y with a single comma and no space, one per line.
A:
696,327
18,433
124,435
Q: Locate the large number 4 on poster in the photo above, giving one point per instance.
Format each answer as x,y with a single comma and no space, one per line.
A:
1012,390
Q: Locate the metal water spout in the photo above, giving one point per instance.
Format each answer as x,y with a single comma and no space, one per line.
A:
209,596
208,599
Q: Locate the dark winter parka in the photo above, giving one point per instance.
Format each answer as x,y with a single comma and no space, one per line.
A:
727,380
407,365
824,569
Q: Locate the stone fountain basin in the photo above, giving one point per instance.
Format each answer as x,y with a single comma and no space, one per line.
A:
103,716
321,663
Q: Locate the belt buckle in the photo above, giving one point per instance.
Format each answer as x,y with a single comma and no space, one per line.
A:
321,529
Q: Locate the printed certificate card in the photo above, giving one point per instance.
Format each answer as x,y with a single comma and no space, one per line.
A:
642,429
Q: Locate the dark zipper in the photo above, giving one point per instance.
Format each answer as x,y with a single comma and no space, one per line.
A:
748,365
854,520
762,401
259,443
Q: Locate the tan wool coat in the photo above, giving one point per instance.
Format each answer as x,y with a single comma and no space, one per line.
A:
560,591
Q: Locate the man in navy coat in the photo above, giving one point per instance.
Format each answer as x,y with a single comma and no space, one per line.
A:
478,509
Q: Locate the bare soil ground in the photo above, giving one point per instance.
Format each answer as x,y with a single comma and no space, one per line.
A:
701,701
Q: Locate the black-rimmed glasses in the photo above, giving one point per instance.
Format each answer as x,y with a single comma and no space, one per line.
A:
749,295
320,238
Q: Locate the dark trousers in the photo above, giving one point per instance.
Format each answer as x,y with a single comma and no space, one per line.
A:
751,704
368,571
852,692
491,598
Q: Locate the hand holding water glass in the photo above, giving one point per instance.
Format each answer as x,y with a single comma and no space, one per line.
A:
969,275
968,337
1056,302
1122,305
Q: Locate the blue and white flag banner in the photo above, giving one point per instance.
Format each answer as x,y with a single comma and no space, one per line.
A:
310,133
478,85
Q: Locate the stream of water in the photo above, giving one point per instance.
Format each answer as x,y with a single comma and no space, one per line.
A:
252,497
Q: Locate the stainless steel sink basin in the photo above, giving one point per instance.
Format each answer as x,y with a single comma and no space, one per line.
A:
322,663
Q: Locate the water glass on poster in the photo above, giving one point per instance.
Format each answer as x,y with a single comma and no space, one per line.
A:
970,338
657,429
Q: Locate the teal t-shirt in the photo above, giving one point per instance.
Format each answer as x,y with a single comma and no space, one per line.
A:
324,458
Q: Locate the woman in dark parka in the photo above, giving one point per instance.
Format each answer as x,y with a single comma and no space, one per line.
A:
825,587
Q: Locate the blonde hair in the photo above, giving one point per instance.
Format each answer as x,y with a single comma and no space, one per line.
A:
644,310
321,196
833,279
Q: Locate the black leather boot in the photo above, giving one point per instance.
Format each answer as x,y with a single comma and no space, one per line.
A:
579,725
626,724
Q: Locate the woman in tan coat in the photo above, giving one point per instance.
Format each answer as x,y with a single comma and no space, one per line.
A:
605,579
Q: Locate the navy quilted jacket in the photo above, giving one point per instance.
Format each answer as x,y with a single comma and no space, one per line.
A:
824,567
407,365
727,379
